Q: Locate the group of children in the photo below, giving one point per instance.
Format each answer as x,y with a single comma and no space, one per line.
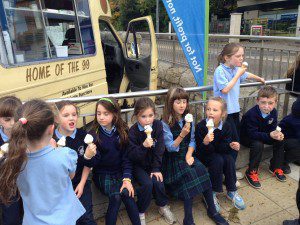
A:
168,156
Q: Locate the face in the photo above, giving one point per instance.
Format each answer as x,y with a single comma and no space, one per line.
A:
146,117
104,117
179,106
214,111
236,59
7,123
266,105
67,119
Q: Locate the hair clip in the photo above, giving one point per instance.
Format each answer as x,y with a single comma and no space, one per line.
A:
23,120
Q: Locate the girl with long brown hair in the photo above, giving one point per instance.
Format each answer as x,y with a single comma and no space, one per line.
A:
112,170
41,172
185,177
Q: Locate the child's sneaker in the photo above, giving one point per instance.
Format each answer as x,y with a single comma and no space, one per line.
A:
239,175
286,168
252,178
278,173
217,218
216,201
236,199
167,214
142,218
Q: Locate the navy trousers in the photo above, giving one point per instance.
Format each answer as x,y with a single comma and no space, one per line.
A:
148,186
234,120
86,200
219,164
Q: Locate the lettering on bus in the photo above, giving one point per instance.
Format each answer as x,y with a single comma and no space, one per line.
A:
80,89
44,72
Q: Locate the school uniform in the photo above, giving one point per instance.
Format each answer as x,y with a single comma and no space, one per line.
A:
255,132
147,161
110,166
216,155
76,142
46,188
12,214
290,126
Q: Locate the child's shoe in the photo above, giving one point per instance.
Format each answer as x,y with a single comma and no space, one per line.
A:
236,199
217,218
142,218
252,178
278,173
167,214
286,168
216,202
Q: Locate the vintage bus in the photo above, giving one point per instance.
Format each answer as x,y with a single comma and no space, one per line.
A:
69,48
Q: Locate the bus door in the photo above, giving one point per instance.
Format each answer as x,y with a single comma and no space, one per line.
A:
141,55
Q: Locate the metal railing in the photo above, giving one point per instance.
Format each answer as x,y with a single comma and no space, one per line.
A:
197,106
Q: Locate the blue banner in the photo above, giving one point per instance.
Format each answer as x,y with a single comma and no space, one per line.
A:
190,20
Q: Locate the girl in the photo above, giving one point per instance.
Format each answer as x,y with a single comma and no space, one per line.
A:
184,176
41,172
227,78
112,169
146,151
11,214
294,73
67,121
213,149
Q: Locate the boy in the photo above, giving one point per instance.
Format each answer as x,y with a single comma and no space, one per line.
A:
259,128
290,126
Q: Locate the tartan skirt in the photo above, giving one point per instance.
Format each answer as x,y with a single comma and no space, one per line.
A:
184,181
109,185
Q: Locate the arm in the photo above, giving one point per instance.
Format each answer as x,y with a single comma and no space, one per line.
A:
200,133
226,139
80,186
255,77
223,84
158,150
126,164
171,145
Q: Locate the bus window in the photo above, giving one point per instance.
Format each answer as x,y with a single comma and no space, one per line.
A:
113,57
35,28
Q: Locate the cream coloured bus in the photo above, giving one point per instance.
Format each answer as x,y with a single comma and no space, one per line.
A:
69,48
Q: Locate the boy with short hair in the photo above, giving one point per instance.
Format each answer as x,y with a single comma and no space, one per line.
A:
258,127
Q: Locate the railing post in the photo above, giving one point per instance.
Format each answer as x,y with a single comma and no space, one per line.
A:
174,51
285,104
261,59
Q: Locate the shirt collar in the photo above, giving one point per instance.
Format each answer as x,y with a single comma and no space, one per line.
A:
5,138
264,115
220,124
109,132
226,67
40,152
59,135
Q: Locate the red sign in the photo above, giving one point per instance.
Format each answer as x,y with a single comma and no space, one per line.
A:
104,6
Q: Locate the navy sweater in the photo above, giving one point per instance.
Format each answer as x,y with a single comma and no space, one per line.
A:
255,127
111,158
79,146
148,158
220,144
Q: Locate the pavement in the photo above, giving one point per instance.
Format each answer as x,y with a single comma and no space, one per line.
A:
270,205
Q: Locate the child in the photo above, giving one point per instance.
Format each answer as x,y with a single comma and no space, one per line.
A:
67,121
41,172
146,148
227,78
12,213
112,169
184,176
294,73
290,126
213,149
259,128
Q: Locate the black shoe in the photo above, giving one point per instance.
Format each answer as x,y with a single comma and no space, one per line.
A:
217,218
286,168
291,222
278,173
252,178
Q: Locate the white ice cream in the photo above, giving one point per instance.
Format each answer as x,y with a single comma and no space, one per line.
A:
245,64
210,125
148,131
88,139
3,149
188,118
278,129
62,141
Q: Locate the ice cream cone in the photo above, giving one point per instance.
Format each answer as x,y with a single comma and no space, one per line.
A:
3,150
278,129
188,119
148,131
89,140
61,142
210,125
245,65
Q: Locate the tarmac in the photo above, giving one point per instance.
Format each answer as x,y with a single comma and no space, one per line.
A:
270,205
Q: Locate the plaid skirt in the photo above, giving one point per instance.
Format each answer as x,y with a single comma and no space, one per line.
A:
109,185
184,181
